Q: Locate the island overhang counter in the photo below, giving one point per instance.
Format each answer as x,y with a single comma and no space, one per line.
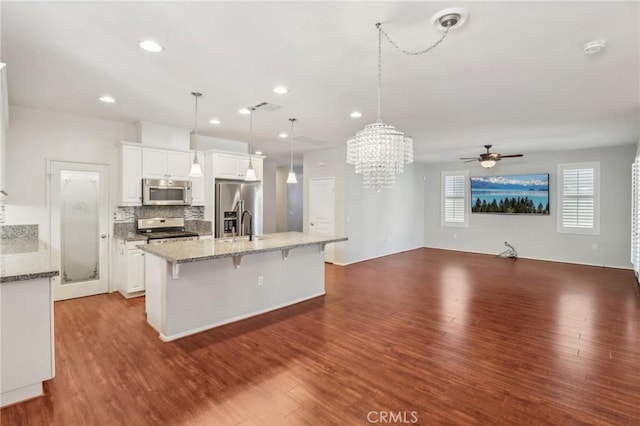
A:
192,286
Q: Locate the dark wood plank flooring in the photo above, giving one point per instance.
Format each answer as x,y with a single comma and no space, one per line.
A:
426,337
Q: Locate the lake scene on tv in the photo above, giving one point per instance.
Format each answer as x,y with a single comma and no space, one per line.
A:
510,194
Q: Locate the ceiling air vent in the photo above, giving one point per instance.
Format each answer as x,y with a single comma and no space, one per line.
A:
266,106
309,140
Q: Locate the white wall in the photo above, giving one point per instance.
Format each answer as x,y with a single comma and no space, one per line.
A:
385,222
268,196
295,199
206,143
36,136
376,223
282,216
536,237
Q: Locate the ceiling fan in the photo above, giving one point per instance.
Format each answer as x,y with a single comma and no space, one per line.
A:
488,159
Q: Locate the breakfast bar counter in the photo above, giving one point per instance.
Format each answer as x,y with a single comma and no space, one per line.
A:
192,286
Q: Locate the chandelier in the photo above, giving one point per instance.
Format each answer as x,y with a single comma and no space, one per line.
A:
380,150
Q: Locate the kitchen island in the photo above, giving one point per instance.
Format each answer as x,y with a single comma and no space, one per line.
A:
192,286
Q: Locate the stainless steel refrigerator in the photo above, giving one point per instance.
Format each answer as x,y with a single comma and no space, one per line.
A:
232,198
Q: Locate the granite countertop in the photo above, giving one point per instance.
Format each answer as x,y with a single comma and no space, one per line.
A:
26,260
193,251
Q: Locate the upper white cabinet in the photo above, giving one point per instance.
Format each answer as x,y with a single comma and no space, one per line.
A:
130,178
197,183
230,166
163,164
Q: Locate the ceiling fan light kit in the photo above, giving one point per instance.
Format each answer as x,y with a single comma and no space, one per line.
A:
489,159
487,164
380,150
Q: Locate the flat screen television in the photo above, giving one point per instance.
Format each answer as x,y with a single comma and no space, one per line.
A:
510,194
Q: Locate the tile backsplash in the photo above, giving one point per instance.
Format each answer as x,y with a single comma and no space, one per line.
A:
19,232
131,214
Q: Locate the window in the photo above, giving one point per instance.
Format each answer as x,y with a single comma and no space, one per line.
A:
454,198
578,198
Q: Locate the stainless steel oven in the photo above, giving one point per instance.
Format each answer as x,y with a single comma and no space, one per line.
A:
166,192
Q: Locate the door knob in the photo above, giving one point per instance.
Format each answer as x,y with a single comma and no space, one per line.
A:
103,236
311,224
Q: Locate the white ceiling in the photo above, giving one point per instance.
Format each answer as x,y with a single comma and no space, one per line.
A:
514,75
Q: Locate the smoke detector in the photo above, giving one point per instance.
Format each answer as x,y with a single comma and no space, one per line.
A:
594,47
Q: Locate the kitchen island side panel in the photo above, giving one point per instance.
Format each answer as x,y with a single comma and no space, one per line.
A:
213,292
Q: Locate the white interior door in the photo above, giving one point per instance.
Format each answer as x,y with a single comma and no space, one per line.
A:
79,206
322,211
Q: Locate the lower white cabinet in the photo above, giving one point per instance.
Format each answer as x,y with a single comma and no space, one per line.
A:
26,336
129,268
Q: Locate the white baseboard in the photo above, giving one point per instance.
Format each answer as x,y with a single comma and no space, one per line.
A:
377,256
537,258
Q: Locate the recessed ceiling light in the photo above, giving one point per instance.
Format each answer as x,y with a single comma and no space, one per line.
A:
283,135
594,46
214,121
258,152
280,90
356,114
151,46
244,111
107,99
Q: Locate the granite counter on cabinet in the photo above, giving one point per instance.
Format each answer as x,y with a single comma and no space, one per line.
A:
22,260
192,286
193,251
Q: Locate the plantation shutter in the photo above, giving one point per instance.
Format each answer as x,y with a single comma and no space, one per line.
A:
578,187
454,198
635,216
578,202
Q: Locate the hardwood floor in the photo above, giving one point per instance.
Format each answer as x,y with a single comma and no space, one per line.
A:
426,337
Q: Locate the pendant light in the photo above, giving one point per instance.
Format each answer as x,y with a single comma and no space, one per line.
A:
196,170
251,173
292,176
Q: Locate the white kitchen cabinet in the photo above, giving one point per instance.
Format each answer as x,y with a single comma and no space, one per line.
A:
197,183
162,164
130,178
233,166
129,268
26,332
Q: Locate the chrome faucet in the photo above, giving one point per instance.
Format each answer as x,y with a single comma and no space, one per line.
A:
250,223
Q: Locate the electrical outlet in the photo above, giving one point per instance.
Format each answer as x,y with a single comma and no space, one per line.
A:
260,280
594,246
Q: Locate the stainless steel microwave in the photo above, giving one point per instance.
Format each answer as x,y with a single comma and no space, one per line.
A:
166,192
